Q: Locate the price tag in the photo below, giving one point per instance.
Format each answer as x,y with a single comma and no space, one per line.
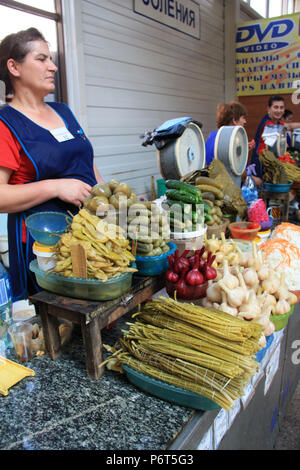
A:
207,441
221,426
61,134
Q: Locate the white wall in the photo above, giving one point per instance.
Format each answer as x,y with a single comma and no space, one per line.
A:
139,73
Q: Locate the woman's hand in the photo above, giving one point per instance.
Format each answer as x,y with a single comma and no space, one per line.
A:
251,145
72,190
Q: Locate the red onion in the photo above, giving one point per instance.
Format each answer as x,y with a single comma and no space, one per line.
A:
180,285
171,276
192,258
194,277
181,262
209,271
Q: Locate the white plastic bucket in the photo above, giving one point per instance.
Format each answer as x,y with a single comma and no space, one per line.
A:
4,250
22,310
45,256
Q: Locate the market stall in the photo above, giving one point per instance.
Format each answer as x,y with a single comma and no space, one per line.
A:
210,280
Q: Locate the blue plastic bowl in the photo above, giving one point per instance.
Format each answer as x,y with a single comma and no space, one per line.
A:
45,226
154,265
261,354
278,188
266,225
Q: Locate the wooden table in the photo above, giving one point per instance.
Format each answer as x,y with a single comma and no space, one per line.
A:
92,316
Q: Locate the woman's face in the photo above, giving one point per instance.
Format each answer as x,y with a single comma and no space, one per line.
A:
240,122
37,70
276,110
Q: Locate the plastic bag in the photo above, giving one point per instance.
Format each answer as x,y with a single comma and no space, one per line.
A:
249,189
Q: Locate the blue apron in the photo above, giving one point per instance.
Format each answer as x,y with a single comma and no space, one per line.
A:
51,160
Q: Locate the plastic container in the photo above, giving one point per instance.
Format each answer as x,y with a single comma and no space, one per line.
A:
261,354
161,187
169,392
45,256
89,289
22,311
4,250
264,235
44,225
21,335
278,188
243,233
266,225
5,307
280,321
192,292
154,265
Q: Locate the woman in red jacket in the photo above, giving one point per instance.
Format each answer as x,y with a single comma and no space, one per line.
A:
46,161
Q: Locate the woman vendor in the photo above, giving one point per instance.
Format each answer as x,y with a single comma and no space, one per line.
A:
46,161
228,114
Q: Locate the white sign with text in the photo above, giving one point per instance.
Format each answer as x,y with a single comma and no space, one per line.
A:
182,15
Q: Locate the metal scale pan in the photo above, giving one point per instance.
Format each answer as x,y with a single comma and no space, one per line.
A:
231,148
278,142
296,139
183,155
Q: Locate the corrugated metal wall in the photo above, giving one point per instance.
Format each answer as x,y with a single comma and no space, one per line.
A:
138,74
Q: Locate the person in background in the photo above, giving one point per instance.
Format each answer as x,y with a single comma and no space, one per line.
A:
288,116
275,115
46,161
228,114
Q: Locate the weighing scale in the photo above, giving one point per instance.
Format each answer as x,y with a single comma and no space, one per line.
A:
295,144
275,137
180,147
231,148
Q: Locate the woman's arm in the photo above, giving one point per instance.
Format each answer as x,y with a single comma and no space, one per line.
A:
19,197
292,125
97,175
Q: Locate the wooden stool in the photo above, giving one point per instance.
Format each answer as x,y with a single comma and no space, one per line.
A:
92,317
283,198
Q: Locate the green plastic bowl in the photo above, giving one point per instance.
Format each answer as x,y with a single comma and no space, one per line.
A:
78,288
280,321
169,392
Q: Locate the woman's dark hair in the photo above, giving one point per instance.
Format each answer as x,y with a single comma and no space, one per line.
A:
16,46
226,112
274,98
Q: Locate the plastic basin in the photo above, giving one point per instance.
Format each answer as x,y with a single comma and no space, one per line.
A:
266,225
240,231
45,227
280,321
261,354
154,265
278,188
78,288
192,292
169,392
